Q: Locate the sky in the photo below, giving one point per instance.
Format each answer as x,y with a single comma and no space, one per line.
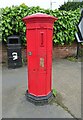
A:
42,3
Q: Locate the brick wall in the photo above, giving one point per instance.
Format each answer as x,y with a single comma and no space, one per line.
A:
0,52
64,51
58,52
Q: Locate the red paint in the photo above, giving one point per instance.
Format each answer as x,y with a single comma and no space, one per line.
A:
39,32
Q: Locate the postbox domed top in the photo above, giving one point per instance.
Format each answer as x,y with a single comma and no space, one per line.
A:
39,15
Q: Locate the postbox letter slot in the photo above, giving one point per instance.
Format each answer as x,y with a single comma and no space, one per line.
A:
42,40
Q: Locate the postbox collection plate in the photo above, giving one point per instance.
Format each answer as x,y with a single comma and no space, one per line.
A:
42,62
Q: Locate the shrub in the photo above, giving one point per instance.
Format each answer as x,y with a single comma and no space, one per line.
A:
71,6
64,28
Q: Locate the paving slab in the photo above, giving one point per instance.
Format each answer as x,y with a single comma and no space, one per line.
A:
0,91
67,81
14,103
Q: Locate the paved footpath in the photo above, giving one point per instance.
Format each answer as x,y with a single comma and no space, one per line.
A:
67,81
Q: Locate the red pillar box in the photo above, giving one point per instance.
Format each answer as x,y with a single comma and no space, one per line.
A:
39,33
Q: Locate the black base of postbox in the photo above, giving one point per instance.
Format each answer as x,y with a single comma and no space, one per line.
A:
42,100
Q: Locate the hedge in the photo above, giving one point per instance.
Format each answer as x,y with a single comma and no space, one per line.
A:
64,28
71,6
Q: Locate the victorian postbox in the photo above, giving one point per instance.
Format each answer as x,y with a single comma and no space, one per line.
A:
39,33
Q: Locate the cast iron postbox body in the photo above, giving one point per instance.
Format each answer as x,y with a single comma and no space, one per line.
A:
39,32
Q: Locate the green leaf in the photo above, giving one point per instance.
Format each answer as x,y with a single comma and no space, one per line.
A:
6,30
54,91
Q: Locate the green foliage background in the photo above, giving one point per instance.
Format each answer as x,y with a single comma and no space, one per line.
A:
71,6
64,29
